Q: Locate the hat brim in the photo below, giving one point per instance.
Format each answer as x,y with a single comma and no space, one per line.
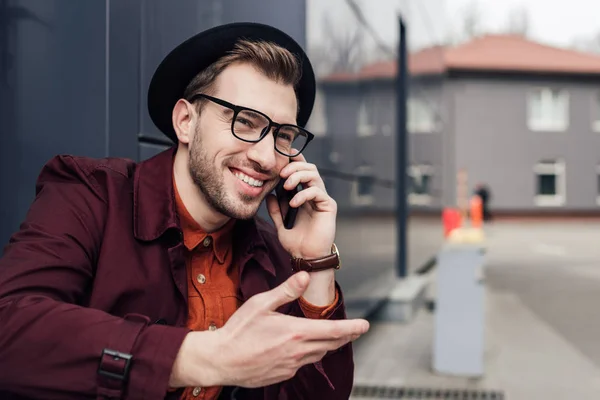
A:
184,62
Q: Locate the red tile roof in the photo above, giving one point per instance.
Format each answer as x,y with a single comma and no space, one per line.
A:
487,53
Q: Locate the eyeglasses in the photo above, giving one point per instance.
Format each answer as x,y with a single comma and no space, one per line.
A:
252,126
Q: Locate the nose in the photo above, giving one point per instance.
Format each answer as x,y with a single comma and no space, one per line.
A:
263,153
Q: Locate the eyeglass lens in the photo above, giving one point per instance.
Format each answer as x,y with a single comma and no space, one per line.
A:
250,126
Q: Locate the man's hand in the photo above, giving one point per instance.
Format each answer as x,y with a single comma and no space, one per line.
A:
258,346
314,231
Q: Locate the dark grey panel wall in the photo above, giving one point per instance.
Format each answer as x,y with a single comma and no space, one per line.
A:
123,79
287,15
53,93
164,25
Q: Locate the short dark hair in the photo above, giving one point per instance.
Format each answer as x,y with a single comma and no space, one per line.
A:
274,61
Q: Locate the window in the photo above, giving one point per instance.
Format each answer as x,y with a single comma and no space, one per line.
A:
419,184
550,183
364,123
596,112
420,116
548,110
362,186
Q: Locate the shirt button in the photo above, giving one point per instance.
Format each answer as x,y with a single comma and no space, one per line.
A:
207,241
201,278
196,391
212,327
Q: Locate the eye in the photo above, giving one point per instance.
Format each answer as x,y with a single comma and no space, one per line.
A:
285,136
244,121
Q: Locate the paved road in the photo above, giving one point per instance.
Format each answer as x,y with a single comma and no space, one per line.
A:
554,269
542,323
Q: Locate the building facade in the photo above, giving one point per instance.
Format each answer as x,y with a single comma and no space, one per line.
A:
516,115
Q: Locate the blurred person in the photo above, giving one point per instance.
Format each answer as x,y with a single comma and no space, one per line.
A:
484,194
157,279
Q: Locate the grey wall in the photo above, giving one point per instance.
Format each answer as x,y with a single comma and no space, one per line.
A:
341,106
378,151
494,143
428,148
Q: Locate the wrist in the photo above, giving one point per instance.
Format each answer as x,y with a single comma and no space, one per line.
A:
194,364
321,289
314,254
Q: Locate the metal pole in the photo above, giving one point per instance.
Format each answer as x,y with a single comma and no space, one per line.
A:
401,152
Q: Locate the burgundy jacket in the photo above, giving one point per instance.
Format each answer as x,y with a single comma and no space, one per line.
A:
98,267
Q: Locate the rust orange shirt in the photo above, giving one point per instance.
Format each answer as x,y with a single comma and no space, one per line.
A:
213,282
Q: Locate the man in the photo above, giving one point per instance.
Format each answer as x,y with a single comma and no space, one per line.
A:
153,280
482,190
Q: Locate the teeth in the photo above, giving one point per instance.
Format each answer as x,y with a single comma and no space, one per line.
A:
248,180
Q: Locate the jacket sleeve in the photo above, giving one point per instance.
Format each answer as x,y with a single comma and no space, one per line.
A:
329,379
50,345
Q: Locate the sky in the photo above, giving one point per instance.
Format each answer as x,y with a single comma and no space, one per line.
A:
556,22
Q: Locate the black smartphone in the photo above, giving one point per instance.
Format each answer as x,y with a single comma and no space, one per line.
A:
284,196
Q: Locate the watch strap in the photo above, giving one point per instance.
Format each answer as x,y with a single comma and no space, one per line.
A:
317,264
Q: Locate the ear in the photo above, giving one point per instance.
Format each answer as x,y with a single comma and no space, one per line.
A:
183,120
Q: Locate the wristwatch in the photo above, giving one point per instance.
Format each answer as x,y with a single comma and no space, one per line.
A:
318,264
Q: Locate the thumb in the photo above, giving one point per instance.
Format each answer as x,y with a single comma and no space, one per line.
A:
288,291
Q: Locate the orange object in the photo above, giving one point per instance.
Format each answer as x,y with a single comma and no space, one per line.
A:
476,212
451,219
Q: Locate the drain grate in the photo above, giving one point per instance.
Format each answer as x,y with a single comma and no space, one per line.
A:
387,392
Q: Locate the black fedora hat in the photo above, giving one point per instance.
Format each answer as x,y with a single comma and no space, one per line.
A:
182,64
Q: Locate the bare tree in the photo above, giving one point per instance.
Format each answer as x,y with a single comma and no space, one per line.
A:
341,49
468,25
518,22
589,44
472,21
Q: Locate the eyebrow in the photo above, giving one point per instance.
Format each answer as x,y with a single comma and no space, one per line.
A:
227,111
258,114
254,114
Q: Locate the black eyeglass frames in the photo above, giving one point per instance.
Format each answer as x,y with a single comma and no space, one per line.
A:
252,126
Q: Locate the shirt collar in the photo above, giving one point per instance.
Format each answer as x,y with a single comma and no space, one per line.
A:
155,209
193,234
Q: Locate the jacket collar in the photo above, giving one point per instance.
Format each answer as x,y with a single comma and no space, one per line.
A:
153,197
155,208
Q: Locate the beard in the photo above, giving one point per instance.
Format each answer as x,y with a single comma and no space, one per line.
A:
209,178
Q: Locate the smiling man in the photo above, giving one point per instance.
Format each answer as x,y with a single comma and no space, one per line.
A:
156,279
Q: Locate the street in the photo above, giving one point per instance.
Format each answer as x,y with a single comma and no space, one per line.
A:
542,328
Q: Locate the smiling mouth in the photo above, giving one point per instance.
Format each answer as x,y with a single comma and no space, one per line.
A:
250,181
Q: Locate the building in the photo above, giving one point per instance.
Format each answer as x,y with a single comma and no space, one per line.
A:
522,117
